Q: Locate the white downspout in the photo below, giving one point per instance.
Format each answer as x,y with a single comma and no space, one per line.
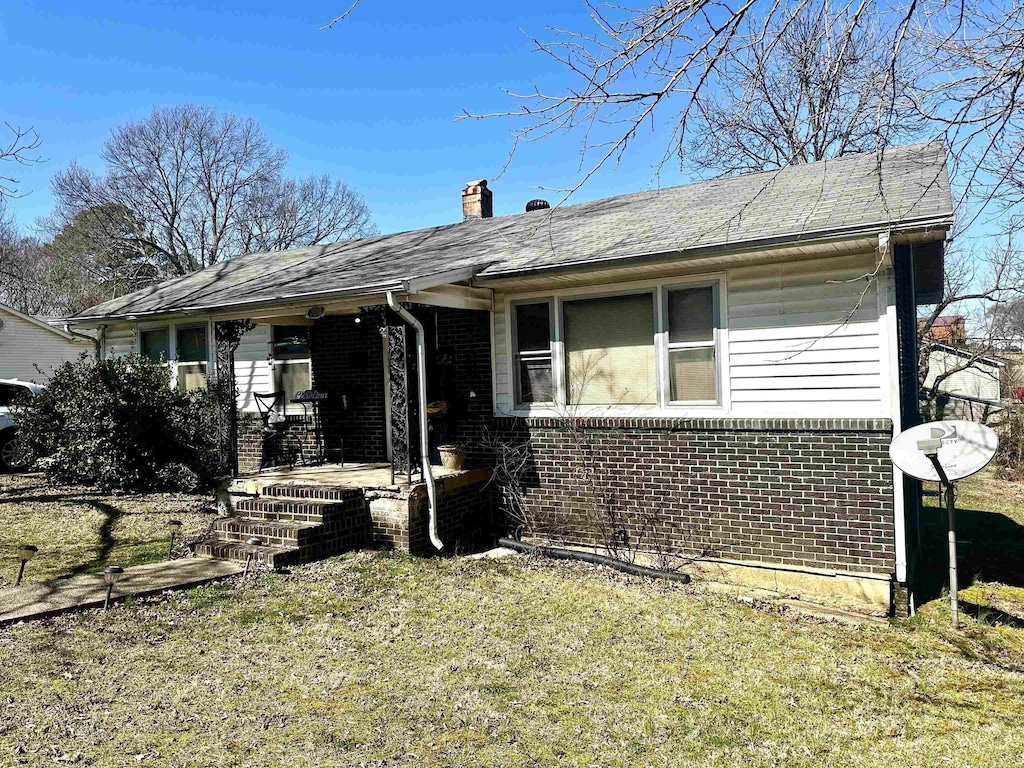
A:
421,386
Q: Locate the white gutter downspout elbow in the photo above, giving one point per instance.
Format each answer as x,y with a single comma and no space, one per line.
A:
421,386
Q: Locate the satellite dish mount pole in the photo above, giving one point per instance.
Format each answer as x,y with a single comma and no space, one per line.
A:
954,602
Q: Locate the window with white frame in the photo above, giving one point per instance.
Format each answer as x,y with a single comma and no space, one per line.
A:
691,314
191,357
532,338
290,352
603,349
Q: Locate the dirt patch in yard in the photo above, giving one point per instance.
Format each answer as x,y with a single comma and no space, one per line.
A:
80,530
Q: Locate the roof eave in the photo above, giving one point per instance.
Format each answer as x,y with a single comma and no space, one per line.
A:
802,238
409,285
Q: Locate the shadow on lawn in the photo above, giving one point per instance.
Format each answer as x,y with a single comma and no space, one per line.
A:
990,547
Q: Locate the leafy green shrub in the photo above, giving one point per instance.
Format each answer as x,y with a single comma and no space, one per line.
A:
117,424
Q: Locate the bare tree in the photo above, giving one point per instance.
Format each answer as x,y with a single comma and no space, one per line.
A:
284,213
987,289
23,264
202,183
19,150
809,89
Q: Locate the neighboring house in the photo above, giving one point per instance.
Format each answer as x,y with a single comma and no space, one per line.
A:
721,345
949,329
29,345
976,383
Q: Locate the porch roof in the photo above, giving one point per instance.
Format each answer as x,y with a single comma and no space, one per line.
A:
902,187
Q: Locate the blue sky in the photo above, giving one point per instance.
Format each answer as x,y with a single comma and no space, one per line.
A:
370,102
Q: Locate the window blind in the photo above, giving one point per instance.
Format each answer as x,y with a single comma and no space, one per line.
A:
609,347
692,374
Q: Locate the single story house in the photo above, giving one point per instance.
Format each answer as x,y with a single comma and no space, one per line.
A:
730,358
31,347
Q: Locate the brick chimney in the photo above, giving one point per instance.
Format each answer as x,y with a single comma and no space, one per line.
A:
476,200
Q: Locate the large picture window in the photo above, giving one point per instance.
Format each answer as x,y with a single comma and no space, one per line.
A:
655,346
532,341
609,350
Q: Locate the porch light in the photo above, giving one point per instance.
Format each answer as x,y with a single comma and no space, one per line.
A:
255,541
174,528
25,553
111,575
358,320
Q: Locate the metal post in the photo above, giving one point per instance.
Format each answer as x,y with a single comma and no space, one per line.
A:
21,572
106,600
170,546
954,602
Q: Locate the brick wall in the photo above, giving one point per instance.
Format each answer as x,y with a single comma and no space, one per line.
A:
297,440
464,349
348,359
809,493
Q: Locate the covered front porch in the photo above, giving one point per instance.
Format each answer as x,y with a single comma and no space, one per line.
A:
361,363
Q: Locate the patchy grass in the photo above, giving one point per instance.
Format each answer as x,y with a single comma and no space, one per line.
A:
384,660
80,530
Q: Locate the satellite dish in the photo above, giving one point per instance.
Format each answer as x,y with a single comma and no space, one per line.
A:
963,448
314,313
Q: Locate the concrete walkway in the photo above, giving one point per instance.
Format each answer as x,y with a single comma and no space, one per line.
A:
36,601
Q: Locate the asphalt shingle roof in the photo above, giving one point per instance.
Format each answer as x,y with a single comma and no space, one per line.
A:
905,184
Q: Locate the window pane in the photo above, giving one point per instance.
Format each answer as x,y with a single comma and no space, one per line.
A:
535,380
191,376
291,341
692,373
192,344
533,327
155,345
691,314
292,378
609,347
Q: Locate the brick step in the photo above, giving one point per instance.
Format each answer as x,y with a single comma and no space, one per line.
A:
284,533
285,509
271,556
312,492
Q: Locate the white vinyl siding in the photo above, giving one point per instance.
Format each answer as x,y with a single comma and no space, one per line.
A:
25,345
804,339
252,367
798,339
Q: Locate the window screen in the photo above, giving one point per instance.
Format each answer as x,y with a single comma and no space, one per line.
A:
691,315
191,347
292,378
609,347
533,353
155,345
691,345
291,342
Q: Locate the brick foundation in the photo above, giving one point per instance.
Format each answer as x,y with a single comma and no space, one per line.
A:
811,493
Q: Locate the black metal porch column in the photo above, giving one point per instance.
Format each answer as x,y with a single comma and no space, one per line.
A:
403,437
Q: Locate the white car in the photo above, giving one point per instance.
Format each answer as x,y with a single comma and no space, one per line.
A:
10,390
